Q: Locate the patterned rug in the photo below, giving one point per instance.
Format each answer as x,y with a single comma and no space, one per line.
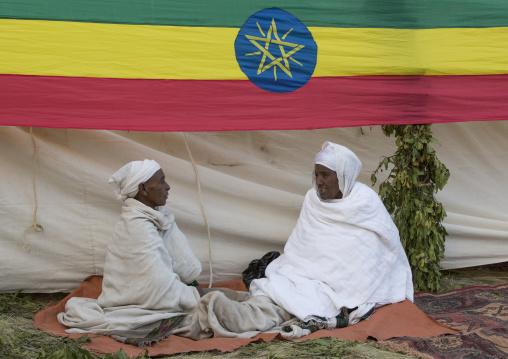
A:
481,315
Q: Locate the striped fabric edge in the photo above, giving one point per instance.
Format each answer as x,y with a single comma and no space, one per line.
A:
233,13
221,105
49,48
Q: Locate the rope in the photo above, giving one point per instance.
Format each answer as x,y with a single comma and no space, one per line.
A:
202,209
37,227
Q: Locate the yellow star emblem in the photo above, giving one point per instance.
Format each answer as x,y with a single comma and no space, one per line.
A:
273,38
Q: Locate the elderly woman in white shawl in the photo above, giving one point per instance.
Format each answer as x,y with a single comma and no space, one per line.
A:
344,257
149,264
342,260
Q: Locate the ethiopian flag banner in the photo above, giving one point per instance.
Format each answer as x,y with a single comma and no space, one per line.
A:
205,65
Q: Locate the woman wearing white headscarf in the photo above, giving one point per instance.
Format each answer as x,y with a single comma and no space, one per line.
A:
344,257
149,264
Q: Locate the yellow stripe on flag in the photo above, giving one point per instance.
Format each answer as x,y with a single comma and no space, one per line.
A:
59,48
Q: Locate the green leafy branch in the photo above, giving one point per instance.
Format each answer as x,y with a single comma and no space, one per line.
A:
415,174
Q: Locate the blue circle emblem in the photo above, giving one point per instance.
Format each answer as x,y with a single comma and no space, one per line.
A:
276,51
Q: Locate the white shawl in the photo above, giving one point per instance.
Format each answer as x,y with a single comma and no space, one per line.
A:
341,253
148,265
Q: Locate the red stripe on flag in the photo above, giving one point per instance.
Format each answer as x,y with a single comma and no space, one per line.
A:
192,105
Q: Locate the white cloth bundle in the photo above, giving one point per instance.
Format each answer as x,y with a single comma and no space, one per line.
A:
127,179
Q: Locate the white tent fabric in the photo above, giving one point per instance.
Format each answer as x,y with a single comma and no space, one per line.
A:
253,184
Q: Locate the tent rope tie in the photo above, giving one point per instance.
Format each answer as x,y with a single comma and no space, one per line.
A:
37,227
202,209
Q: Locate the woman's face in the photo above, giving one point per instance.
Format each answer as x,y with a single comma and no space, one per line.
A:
157,190
327,183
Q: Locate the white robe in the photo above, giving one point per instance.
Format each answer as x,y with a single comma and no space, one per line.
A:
149,263
341,253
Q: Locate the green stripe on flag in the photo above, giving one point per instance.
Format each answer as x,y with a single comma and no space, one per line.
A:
398,14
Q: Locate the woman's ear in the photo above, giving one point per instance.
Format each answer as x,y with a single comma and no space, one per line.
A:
142,189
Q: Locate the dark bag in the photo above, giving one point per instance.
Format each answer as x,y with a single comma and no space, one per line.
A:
257,267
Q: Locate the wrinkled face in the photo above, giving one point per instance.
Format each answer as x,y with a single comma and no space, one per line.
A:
154,192
327,183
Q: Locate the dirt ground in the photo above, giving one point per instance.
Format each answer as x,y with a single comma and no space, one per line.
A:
19,339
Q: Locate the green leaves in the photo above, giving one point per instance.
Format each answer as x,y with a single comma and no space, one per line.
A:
74,349
408,194
324,348
71,350
385,162
19,301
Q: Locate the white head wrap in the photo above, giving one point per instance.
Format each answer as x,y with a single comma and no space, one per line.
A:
326,158
127,179
341,160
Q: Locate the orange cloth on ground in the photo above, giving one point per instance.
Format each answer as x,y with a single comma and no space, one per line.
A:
402,319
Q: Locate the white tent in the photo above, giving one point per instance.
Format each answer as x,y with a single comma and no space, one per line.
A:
252,187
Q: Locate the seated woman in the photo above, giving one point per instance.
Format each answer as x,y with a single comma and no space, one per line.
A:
149,266
343,259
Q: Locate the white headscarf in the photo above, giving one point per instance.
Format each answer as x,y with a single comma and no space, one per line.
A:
127,179
341,160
